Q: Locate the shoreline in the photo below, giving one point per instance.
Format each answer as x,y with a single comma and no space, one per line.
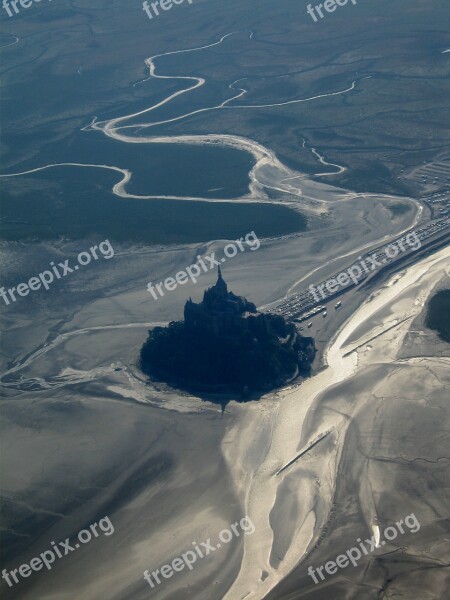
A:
286,417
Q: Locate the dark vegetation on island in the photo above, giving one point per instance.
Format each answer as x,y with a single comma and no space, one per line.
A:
225,346
438,314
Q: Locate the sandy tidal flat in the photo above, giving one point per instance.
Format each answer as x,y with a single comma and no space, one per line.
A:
344,394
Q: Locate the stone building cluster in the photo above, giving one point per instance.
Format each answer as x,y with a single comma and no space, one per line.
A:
223,313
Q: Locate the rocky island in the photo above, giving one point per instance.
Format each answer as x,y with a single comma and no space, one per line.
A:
225,345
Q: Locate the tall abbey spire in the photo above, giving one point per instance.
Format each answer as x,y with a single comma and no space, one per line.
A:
221,283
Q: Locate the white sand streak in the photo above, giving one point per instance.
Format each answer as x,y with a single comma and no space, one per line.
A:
263,157
282,419
267,173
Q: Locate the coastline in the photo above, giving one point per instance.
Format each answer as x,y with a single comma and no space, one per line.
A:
290,420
